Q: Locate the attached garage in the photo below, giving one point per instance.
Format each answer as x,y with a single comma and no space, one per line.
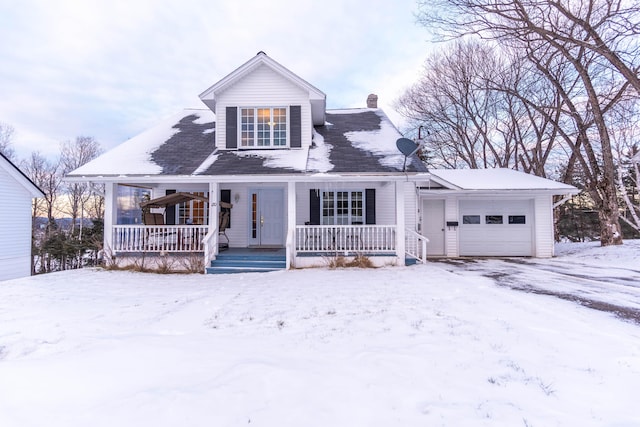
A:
496,228
489,212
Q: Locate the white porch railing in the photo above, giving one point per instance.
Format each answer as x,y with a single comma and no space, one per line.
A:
209,243
159,238
415,245
345,238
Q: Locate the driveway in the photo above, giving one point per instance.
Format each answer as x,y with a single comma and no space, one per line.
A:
612,289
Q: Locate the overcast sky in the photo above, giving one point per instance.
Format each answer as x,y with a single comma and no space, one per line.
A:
112,68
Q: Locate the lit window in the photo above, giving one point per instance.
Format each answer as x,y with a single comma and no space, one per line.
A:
193,211
248,127
263,127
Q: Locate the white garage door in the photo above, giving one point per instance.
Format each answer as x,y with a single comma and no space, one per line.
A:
496,228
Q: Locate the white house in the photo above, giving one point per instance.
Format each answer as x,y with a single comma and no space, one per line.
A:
309,182
16,194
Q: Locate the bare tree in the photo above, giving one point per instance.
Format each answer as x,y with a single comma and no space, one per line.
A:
607,28
455,108
6,139
46,175
563,40
473,100
626,142
73,155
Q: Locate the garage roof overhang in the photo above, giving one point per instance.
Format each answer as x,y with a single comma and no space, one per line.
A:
510,193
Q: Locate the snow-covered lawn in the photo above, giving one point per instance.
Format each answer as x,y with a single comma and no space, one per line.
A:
418,346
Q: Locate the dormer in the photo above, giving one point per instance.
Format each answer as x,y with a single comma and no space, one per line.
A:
263,105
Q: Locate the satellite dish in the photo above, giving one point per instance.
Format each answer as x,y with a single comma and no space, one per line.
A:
408,148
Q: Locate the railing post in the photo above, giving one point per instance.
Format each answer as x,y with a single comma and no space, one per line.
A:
400,222
424,250
291,224
110,194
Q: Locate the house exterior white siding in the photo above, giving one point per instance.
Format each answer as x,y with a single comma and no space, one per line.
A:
385,203
451,233
263,87
410,206
533,238
15,228
543,217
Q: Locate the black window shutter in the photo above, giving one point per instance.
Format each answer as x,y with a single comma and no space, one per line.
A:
170,211
232,127
370,208
225,196
296,126
314,207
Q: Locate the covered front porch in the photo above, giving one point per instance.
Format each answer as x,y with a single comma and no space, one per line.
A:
309,221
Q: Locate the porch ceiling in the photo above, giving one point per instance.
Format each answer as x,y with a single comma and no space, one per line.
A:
172,199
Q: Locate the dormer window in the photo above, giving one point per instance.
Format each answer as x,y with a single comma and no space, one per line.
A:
263,127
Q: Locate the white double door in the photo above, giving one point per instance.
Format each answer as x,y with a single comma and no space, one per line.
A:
266,217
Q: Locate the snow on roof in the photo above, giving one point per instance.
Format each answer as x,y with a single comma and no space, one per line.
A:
379,142
133,157
295,159
319,154
360,141
498,179
19,176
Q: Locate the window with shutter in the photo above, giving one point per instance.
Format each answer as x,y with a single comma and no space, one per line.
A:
341,207
263,127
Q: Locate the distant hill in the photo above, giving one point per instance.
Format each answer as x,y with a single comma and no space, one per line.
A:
64,223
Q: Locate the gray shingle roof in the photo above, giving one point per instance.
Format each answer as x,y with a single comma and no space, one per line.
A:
186,150
348,158
357,141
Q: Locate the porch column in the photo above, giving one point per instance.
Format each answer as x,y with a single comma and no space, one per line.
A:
110,208
400,222
214,215
290,247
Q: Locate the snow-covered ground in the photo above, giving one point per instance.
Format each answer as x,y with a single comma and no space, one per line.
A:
433,345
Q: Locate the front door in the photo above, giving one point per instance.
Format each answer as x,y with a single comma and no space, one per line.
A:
266,227
433,225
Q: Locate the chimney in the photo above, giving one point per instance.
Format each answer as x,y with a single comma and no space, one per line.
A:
372,101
